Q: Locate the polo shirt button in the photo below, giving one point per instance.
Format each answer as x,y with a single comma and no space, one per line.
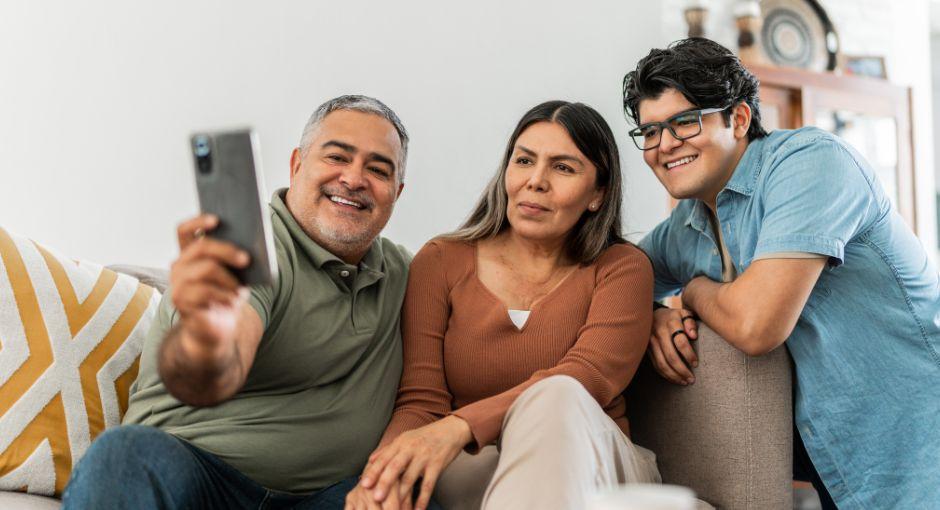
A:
344,273
715,252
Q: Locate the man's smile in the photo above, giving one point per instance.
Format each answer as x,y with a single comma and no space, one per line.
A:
340,200
680,162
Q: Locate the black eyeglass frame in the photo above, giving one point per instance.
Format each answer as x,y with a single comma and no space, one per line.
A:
638,131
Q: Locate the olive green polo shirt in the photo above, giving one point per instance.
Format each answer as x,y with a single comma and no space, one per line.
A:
324,379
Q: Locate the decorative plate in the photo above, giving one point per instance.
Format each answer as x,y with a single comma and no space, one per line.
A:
798,33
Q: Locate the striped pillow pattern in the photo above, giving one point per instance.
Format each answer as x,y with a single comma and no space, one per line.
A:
70,341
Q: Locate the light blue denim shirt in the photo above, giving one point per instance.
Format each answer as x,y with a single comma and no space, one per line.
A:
866,348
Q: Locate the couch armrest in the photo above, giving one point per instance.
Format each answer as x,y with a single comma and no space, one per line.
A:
728,436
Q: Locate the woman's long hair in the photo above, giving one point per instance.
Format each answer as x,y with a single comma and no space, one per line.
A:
594,231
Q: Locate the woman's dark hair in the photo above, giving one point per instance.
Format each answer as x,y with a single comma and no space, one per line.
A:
705,72
594,231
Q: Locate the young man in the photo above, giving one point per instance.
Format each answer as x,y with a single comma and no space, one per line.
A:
789,238
272,396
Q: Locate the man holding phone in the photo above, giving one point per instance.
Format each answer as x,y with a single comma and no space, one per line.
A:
276,394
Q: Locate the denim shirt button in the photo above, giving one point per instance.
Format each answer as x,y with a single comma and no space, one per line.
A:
715,251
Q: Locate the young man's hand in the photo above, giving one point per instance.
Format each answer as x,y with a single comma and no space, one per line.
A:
670,347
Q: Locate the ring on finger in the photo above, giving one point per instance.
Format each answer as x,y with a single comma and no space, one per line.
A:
676,333
199,233
687,317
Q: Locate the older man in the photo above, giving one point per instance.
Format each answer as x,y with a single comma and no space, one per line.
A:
272,396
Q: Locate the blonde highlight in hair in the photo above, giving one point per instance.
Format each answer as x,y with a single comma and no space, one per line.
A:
595,231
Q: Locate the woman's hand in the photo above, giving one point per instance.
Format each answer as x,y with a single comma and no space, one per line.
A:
420,453
361,498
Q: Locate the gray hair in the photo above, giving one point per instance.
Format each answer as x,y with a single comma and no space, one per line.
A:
364,104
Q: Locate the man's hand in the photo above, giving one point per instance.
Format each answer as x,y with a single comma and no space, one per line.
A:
204,292
361,498
420,453
205,357
670,345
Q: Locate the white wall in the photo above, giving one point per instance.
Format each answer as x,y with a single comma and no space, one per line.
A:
909,31
899,31
97,100
935,77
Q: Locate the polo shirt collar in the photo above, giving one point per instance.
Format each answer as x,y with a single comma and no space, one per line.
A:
319,255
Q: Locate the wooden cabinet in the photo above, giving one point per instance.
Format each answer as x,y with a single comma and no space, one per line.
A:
872,115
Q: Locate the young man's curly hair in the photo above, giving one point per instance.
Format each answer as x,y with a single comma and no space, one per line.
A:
705,72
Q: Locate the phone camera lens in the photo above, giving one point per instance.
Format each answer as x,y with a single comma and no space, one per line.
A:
201,146
202,151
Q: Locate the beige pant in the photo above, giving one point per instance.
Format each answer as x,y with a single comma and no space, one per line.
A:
557,449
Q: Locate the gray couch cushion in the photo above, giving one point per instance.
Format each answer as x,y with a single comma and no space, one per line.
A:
728,436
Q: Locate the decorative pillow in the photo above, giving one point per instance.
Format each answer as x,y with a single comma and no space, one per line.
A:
70,340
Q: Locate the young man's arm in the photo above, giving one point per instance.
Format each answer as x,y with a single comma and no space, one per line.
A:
758,311
815,198
656,246
669,350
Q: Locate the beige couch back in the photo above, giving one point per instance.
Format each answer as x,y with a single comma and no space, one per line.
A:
728,436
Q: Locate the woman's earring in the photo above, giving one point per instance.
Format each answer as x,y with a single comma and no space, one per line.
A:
593,206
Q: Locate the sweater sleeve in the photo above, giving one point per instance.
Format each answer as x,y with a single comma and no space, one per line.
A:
608,350
423,396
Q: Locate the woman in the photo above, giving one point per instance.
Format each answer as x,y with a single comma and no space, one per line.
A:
522,330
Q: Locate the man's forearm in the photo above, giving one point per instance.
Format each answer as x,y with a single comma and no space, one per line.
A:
758,310
198,374
717,305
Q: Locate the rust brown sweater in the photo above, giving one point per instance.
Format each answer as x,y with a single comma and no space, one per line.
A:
464,356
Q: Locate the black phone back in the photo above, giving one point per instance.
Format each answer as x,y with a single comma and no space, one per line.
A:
229,184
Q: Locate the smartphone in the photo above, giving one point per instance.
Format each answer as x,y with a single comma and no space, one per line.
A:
229,184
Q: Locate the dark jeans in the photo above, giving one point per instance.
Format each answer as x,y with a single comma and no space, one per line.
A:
804,471
145,468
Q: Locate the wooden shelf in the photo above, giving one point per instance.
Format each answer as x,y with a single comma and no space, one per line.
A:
791,98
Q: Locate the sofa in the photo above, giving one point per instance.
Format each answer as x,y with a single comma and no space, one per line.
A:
728,436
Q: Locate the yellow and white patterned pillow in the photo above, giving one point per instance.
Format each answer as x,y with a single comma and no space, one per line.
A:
70,341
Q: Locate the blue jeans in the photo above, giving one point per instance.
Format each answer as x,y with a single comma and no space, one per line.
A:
140,467
804,471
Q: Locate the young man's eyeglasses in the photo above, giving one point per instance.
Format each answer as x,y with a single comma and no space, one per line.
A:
681,126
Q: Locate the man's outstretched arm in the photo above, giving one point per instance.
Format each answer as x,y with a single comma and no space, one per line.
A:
205,358
758,311
205,371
